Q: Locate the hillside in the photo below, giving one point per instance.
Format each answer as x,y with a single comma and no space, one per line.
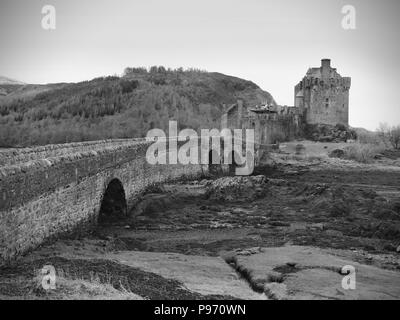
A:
120,107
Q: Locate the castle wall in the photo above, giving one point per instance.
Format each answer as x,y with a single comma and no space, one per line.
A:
272,128
328,105
282,125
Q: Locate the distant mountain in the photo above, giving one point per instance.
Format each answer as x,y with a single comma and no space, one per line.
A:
8,86
8,81
121,107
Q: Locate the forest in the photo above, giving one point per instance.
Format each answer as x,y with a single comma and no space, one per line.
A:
124,106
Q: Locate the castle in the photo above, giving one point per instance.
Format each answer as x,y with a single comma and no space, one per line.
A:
321,97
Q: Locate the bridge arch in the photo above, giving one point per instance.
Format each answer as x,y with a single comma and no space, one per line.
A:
233,164
214,161
113,204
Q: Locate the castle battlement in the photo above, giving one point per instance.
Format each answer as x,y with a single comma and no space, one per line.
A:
343,82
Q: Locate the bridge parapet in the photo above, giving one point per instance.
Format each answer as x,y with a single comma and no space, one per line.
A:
14,156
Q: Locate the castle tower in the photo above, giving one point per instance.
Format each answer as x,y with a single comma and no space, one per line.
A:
324,94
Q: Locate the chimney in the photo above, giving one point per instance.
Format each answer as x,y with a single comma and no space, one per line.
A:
325,67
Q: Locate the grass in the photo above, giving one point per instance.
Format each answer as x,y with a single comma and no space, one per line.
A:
91,279
362,152
68,286
305,151
93,289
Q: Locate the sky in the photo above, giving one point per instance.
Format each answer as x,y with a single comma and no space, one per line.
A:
270,42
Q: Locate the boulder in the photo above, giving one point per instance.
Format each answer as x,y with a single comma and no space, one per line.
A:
237,188
337,153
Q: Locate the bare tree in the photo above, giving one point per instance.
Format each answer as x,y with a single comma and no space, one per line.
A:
383,133
394,136
390,136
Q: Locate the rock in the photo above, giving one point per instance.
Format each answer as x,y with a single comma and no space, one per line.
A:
249,251
224,213
204,182
239,211
275,291
398,249
300,148
334,233
337,153
256,250
153,204
237,188
317,226
329,133
277,182
279,224
339,208
396,206
244,253
378,156
315,274
326,139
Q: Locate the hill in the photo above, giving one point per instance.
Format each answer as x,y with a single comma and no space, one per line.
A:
120,107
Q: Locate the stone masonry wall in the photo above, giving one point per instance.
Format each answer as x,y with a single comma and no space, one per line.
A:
329,106
269,128
20,155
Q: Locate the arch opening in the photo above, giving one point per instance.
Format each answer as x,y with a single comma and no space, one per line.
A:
233,163
113,205
213,162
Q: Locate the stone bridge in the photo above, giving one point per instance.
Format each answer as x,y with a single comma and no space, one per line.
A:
51,190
